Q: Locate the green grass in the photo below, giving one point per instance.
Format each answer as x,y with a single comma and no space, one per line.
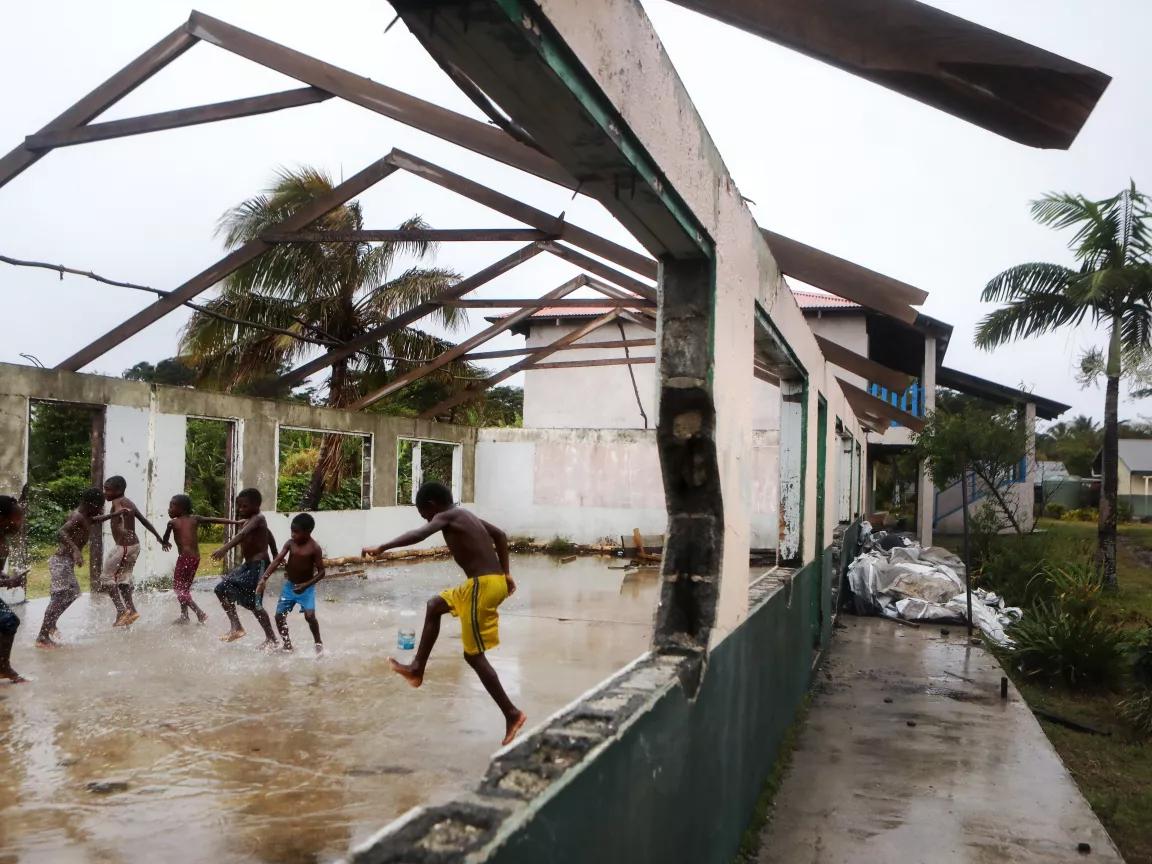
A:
1114,772
39,582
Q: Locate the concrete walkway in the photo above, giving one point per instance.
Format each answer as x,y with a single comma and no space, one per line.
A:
909,755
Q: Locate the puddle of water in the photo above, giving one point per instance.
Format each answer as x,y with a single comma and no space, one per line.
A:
162,744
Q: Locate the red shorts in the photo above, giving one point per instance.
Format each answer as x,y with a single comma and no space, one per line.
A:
186,567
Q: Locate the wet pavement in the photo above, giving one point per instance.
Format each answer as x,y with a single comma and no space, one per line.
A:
910,755
161,744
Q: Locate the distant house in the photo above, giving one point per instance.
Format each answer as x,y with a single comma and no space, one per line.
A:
1135,470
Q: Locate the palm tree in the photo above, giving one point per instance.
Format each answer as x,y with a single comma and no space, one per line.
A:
327,293
1111,286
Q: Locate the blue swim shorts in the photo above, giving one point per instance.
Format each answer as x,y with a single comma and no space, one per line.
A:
289,598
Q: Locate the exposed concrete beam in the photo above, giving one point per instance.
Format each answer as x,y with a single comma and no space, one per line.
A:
540,303
1000,83
419,235
520,352
605,361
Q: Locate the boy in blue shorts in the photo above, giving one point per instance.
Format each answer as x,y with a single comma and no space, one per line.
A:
304,568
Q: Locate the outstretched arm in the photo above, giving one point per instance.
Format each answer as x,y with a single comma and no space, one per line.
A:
164,544
217,520
408,538
276,562
104,517
250,525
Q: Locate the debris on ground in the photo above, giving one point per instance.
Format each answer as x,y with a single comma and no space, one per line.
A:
898,578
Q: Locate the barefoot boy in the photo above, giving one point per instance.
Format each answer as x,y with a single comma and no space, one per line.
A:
11,518
239,586
481,551
116,577
304,569
69,555
186,526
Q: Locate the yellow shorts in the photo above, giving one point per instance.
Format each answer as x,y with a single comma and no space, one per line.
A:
474,602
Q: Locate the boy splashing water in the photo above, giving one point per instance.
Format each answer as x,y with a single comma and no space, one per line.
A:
186,526
481,551
69,555
116,577
304,569
239,586
11,518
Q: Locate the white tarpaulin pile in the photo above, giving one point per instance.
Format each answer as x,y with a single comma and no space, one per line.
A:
918,584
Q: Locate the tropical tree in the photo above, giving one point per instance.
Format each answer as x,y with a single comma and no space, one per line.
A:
1110,286
326,293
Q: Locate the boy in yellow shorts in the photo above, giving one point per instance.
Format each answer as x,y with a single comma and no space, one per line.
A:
481,551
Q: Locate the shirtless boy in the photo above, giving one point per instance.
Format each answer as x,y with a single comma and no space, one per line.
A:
239,586
481,551
304,569
69,555
185,525
116,577
11,518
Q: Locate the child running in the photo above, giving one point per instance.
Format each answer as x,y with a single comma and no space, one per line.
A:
304,569
481,551
185,524
69,555
239,586
11,518
116,577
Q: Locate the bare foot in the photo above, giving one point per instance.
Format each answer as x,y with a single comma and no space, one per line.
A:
122,620
319,648
233,635
201,618
514,726
270,644
287,648
133,617
405,671
46,643
12,676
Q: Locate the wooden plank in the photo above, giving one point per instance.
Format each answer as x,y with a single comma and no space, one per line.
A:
463,348
425,235
519,352
564,341
1000,83
508,262
845,279
599,268
232,109
466,132
230,263
525,213
580,364
103,97
863,402
870,370
538,303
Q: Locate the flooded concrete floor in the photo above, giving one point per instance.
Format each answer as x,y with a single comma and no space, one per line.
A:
943,772
228,754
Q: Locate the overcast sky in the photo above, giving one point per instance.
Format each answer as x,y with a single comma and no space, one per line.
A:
830,159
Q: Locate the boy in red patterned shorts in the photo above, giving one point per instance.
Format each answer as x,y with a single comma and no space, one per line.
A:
185,525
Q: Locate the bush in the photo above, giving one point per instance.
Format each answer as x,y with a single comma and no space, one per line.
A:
1075,587
1055,511
559,546
1082,514
1142,657
1137,709
1124,510
1079,649
1014,562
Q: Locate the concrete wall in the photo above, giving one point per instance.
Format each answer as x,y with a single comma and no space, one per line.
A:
145,430
591,484
602,397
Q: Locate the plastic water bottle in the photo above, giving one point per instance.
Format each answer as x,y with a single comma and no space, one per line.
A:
406,635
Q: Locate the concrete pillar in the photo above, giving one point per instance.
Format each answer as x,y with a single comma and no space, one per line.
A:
1026,492
926,492
13,443
792,452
